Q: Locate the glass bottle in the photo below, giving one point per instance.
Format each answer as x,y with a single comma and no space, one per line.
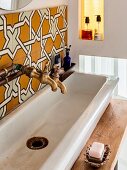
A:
87,33
98,34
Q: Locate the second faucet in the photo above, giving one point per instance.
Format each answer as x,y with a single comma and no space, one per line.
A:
43,76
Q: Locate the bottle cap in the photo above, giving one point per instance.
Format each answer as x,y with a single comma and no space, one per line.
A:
98,18
87,20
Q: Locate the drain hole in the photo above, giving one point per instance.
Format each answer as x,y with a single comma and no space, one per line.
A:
36,143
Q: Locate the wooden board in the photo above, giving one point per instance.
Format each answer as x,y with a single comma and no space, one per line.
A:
110,130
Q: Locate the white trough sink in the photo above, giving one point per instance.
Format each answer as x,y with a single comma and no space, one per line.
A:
67,121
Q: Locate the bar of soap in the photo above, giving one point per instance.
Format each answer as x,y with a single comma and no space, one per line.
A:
97,150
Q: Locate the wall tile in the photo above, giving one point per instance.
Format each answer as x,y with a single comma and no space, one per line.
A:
29,38
6,57
5,99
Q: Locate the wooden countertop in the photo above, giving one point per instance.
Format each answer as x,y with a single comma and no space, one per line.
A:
109,130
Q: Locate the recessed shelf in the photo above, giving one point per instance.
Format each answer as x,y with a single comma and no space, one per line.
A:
92,20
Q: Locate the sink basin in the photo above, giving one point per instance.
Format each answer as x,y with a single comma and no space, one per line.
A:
66,121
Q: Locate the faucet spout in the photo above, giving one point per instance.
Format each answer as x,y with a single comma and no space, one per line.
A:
60,85
58,82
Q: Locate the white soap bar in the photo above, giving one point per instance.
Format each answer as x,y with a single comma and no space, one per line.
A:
96,150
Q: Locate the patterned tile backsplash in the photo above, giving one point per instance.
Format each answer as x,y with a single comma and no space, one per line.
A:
29,38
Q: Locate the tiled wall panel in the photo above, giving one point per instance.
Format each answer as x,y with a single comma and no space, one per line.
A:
29,38
6,59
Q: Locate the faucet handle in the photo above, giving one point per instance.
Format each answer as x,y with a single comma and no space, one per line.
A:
56,77
46,69
56,71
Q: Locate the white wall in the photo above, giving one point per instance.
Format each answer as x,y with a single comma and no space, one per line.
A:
115,42
36,4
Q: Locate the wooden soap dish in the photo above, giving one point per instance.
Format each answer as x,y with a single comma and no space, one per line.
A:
105,158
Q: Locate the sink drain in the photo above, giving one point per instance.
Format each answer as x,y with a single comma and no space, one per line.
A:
37,143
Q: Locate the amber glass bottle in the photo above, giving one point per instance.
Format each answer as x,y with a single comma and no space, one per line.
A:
87,33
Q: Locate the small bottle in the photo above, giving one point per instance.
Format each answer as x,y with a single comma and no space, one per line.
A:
58,60
87,33
98,34
67,59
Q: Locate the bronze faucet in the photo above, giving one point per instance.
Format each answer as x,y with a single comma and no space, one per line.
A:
55,77
42,76
46,79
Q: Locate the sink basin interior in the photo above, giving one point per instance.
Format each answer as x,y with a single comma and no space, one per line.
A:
51,115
